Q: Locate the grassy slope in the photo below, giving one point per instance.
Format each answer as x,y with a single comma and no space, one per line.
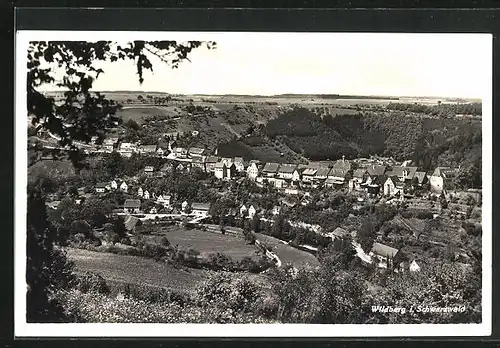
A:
136,270
207,242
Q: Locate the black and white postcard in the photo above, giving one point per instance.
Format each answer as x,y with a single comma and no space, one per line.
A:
181,184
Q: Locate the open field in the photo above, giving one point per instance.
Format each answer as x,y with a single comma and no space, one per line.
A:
139,113
136,270
207,242
288,254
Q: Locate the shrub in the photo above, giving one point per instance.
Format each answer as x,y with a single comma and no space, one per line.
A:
92,282
164,241
424,215
125,241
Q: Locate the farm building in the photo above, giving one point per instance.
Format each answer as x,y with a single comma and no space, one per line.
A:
383,255
147,149
441,178
132,205
252,171
100,187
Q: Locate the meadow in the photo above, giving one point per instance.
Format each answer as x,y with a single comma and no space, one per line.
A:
206,242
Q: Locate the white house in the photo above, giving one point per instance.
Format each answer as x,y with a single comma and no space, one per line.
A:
114,185
414,267
252,171
146,194
100,187
140,192
243,210
393,186
251,211
239,164
124,186
163,200
127,149
220,170
440,177
184,205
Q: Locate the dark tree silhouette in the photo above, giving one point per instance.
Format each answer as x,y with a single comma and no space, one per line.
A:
80,115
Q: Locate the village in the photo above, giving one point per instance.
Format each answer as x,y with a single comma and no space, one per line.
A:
370,181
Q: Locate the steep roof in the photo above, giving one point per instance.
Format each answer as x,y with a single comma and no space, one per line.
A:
198,160
375,169
399,170
309,171
340,232
342,164
101,185
271,167
212,159
336,172
384,250
132,203
323,171
359,173
420,176
196,150
287,168
220,165
238,159
445,172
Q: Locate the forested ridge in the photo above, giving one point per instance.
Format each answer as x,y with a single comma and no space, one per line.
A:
430,142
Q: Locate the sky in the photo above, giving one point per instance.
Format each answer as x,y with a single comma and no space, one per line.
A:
441,65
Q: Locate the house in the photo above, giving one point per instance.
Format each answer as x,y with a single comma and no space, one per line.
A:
147,149
161,151
163,200
146,194
420,178
220,170
127,149
114,185
239,164
199,162
384,256
252,210
343,165
181,167
243,211
286,170
296,176
404,174
109,144
196,152
124,186
308,174
336,177
100,187
184,206
393,186
230,171
375,170
132,205
180,152
441,178
338,233
373,184
210,163
131,222
414,267
140,192
278,183
226,160
252,171
270,170
153,210
149,169
200,209
321,174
